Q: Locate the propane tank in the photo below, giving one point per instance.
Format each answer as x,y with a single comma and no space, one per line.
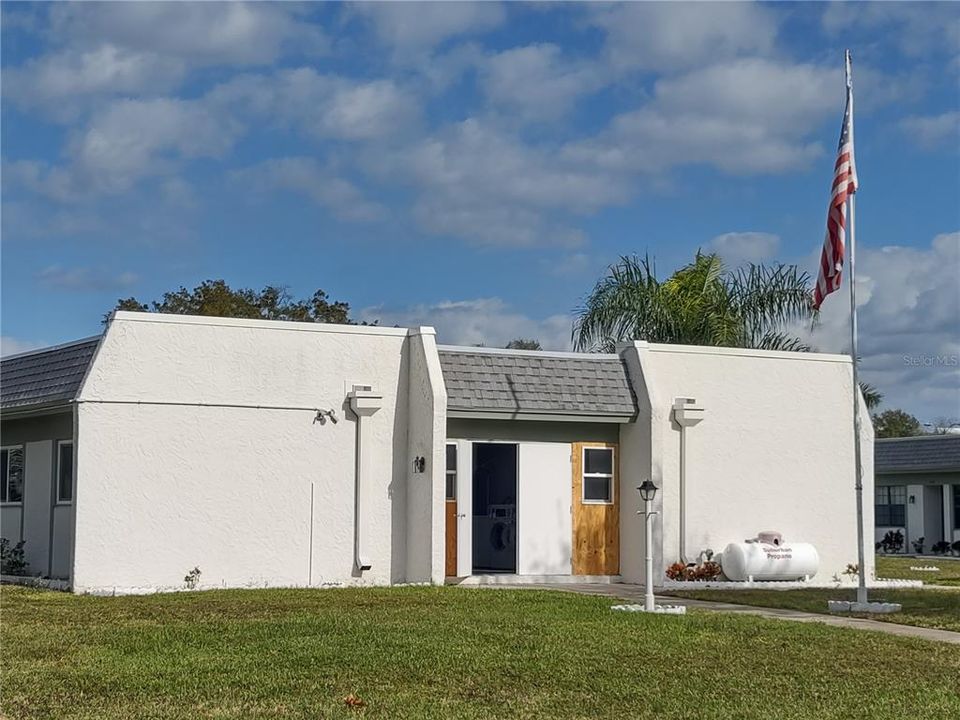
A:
753,560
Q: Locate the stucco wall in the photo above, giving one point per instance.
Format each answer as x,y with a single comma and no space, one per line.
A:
427,439
45,526
198,446
774,452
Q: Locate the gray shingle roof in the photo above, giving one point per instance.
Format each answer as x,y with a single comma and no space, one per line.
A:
533,383
51,376
926,453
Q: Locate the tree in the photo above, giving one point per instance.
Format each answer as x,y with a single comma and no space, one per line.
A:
524,344
896,423
702,303
216,298
871,396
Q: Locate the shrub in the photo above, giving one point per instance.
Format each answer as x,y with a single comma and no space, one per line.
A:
918,546
892,541
940,548
192,578
956,547
11,558
677,571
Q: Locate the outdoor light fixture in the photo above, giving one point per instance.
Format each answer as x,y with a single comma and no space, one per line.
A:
647,491
419,464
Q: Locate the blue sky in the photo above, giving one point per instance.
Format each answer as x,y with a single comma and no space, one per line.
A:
477,166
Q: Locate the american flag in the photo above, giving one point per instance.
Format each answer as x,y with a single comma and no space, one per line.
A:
844,185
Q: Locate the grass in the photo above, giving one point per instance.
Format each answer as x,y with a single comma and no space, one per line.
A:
899,567
939,609
446,652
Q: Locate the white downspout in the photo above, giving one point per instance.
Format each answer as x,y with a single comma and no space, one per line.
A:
686,413
364,403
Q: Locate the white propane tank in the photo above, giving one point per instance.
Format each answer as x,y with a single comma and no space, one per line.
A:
764,561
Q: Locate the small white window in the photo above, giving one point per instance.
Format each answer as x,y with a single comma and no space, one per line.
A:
11,474
598,475
451,472
64,472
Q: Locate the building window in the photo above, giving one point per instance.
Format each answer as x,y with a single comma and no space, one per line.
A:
598,475
451,472
956,507
64,471
890,508
11,474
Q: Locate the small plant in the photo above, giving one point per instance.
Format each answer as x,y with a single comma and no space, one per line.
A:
892,542
853,570
11,558
940,548
192,578
918,545
705,571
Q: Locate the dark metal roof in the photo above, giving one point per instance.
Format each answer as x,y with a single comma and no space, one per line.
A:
925,453
46,377
536,383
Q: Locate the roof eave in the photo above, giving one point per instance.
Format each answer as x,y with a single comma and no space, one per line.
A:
471,414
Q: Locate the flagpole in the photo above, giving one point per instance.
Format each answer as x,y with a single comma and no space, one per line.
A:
861,566
854,357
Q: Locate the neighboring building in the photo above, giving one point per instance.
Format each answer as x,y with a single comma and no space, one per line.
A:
292,454
918,488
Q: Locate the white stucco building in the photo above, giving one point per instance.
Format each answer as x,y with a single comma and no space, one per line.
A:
287,454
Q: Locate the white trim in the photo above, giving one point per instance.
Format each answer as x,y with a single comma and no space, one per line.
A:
610,476
23,479
289,325
742,352
529,353
56,476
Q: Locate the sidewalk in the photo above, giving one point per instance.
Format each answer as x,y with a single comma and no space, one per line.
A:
635,593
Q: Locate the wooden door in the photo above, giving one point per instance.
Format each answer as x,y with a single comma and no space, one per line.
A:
596,509
451,511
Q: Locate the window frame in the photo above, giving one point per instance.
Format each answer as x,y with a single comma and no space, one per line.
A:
886,492
60,444
23,479
448,473
610,477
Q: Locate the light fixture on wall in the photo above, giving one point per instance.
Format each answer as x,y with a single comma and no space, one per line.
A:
322,415
913,499
419,464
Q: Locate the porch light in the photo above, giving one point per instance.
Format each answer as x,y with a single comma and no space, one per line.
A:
647,490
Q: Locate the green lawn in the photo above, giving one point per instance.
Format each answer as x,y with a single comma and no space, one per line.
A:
899,567
446,652
926,608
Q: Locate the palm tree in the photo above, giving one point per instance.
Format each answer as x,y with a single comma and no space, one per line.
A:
700,304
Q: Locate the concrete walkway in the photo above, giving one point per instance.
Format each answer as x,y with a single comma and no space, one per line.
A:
634,593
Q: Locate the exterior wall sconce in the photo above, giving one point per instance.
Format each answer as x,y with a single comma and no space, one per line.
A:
322,415
419,464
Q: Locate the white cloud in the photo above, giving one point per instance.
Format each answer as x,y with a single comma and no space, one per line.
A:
673,36
932,131
61,84
736,248
324,106
479,183
413,29
199,33
537,82
745,116
84,279
908,304
489,321
11,345
321,184
918,29
147,49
